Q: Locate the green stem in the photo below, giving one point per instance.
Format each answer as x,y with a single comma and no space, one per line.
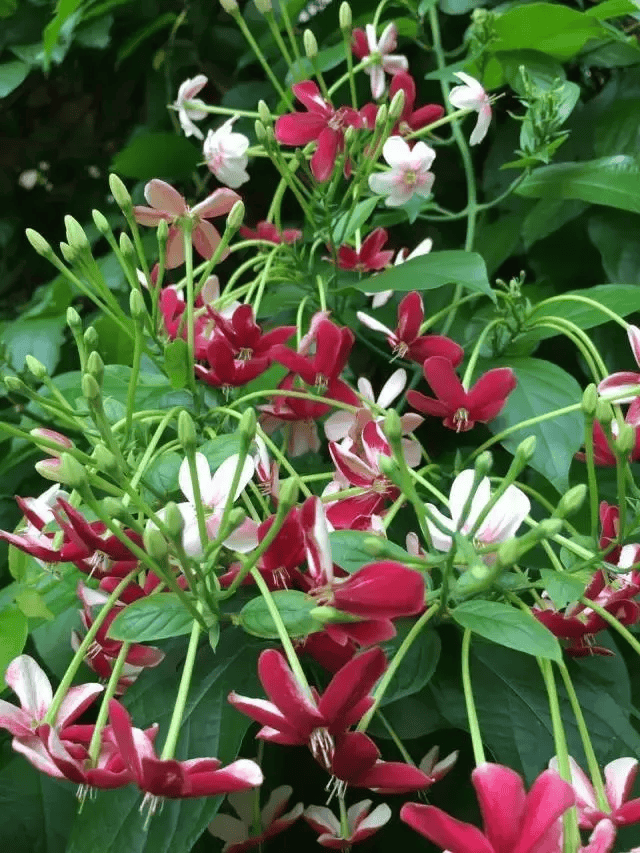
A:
259,55
466,379
571,297
133,379
592,480
472,716
188,256
109,693
181,699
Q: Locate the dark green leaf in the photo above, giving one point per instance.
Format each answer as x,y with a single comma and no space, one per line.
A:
350,549
162,474
11,75
418,665
562,588
153,155
41,338
134,41
547,216
176,363
153,618
13,636
616,236
219,449
612,9
508,626
294,608
549,28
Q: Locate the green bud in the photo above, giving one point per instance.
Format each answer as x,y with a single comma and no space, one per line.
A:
327,615
345,17
571,501
236,517
91,338
101,223
90,388
236,216
127,248
154,542
36,367
624,442
137,305
393,427
114,509
120,193
547,528
95,366
483,463
173,520
375,546
397,105
349,136
508,553
74,321
76,237
12,383
389,467
381,118
39,243
310,44
104,458
186,431
604,412
525,451
247,428
261,131
65,470
163,231
229,6
264,112
590,400
263,6
67,253
288,496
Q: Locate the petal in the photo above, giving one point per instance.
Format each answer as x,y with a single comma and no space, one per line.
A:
322,819
482,125
633,333
228,829
203,474
392,388
376,76
389,39
123,733
371,322
353,682
148,216
324,157
162,196
285,692
440,540
616,384
580,782
175,249
444,382
382,183
396,151
217,204
427,405
206,239
37,754
505,517
307,93
76,702
491,390
337,425
222,480
422,153
501,797
267,714
299,128
28,681
444,830
620,776
15,720
549,797
395,64
460,491
602,838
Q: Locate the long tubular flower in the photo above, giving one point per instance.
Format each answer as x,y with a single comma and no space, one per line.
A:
471,96
409,174
514,821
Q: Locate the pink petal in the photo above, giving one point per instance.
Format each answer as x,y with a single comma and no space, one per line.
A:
267,714
122,730
581,784
299,128
148,216
217,204
394,64
324,157
76,702
163,197
15,720
206,239
501,796
617,384
376,75
601,839
308,94
444,382
28,681
549,797
238,776
353,682
633,333
174,255
620,776
37,754
443,830
285,692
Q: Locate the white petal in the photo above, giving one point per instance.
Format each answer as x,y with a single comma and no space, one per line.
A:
223,478
378,817
242,803
423,248
203,473
619,775
396,151
337,425
229,829
382,183
505,517
376,75
356,812
325,817
30,684
460,491
277,800
372,323
392,388
441,541
423,154
482,125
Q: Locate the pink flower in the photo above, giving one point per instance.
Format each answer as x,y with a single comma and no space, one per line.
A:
602,838
616,384
362,822
321,123
602,452
461,409
411,119
268,231
514,821
369,257
239,833
167,204
189,107
409,174
225,154
381,58
356,762
619,777
471,96
320,370
197,777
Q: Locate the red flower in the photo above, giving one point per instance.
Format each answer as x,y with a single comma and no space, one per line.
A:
322,123
361,824
267,231
514,821
609,522
461,409
227,371
333,346
245,336
411,119
356,762
602,452
406,340
370,257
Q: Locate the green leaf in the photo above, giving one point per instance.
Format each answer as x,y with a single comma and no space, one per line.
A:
33,605
613,9
542,68
153,618
326,60
547,216
350,549
616,236
508,626
549,28
612,181
349,222
41,338
116,346
153,390
153,155
176,363
11,75
134,41
7,8
418,665
13,636
562,588
543,387
428,272
162,474
64,10
294,608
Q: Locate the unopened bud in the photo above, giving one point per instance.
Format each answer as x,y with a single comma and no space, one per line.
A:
67,253
76,237
247,428
389,468
393,427
310,44
229,6
120,193
74,321
624,442
163,231
127,248
381,117
590,400
571,501
483,463
51,436
114,509
345,17
261,131
547,528
95,366
288,495
604,412
90,388
508,553
36,367
91,338
12,383
39,243
397,105
263,6
173,520
525,450
264,112
101,223
137,306
236,216
104,458
154,542
349,136
65,470
186,431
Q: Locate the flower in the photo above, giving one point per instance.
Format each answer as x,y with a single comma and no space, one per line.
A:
237,832
411,119
189,107
406,341
320,370
602,838
362,823
602,452
501,522
356,762
514,821
619,778
197,777
225,154
471,96
369,257
321,123
461,409
381,59
615,384
267,231
423,248
167,203
409,174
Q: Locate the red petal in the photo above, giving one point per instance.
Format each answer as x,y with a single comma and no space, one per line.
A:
351,684
382,590
427,405
549,797
405,82
444,830
429,346
354,755
410,317
299,128
490,392
501,796
308,94
424,116
324,157
283,690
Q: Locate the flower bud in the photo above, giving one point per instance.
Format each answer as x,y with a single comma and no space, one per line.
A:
163,232
590,400
624,442
525,451
571,501
173,520
101,223
261,131
95,367
65,470
104,458
389,467
114,509
36,367
120,193
12,383
263,6
483,463
91,338
393,427
247,428
236,216
604,412
264,112
397,105
67,253
39,243
76,237
310,44
345,17
381,118
137,306
349,136
154,542
50,435
90,388
288,495
74,322
508,553
547,528
127,249
186,431
229,6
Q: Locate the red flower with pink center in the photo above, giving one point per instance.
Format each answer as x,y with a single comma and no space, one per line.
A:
267,231
321,123
369,257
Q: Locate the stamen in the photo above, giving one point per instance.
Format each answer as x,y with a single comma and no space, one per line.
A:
460,419
151,804
322,747
336,788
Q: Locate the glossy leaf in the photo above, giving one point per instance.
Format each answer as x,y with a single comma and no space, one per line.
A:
294,608
418,665
13,636
11,75
352,549
153,618
549,28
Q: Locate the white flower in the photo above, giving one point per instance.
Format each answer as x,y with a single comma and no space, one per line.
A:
501,523
472,96
384,59
423,248
225,153
189,107
409,173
